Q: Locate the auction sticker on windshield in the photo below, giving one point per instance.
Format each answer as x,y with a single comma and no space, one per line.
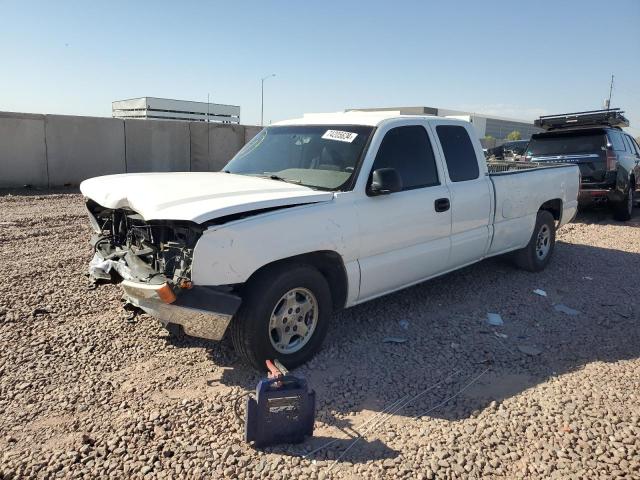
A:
339,135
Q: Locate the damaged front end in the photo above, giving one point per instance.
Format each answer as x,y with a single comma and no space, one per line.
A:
152,261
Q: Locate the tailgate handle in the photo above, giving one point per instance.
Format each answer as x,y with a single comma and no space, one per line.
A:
442,204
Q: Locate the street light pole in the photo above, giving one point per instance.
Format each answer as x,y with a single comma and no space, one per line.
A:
262,99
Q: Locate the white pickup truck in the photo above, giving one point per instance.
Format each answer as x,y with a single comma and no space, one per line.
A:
314,215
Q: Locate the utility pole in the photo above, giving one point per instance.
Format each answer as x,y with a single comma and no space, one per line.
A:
610,90
262,99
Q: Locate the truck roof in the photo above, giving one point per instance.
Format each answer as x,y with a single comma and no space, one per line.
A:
352,118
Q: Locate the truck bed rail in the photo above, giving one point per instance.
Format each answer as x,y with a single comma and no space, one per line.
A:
498,167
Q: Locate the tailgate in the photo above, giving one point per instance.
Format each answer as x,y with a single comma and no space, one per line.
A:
593,166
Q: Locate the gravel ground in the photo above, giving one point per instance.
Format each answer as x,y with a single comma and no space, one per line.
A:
550,394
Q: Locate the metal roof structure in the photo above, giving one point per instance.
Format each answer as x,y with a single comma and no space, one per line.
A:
170,109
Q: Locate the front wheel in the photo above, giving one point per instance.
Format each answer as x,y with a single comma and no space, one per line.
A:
536,255
284,315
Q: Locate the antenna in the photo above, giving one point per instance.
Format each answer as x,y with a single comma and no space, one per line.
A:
610,90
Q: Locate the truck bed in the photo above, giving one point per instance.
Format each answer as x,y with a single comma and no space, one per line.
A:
497,167
517,198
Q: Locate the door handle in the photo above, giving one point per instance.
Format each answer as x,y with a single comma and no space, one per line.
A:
442,204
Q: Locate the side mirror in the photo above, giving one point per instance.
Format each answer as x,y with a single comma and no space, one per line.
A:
385,181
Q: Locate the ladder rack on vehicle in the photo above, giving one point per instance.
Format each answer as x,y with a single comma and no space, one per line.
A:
613,117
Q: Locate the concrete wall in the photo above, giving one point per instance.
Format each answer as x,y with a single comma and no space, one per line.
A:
213,144
55,150
250,131
226,140
23,157
200,147
82,147
157,146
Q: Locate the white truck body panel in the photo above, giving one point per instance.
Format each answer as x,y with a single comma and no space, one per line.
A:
386,242
195,196
471,205
517,195
412,244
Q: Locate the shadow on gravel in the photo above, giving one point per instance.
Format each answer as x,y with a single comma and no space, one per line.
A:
366,451
452,364
235,372
602,215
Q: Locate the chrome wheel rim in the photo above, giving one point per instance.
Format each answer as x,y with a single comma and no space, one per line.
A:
293,320
543,242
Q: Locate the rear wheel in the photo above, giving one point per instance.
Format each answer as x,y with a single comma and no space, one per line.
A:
285,314
623,210
537,254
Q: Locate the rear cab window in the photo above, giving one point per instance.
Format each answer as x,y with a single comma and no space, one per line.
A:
459,153
567,143
407,149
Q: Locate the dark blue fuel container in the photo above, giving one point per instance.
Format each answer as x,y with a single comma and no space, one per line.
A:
282,412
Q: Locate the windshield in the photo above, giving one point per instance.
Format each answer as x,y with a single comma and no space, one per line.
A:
567,144
323,157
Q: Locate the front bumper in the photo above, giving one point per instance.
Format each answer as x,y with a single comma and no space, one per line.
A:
202,311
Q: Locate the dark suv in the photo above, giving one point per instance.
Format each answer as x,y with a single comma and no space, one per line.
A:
608,158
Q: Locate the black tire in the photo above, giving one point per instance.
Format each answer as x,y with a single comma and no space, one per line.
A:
623,210
175,330
250,331
529,258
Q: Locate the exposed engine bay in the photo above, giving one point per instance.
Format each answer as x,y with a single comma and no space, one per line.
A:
147,251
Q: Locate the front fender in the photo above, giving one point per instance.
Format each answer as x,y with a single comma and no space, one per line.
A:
231,253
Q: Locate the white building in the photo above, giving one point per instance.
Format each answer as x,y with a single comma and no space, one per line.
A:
167,109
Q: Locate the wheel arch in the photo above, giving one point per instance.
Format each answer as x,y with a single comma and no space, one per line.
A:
554,207
328,262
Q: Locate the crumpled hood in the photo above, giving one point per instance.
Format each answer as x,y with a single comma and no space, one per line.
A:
195,196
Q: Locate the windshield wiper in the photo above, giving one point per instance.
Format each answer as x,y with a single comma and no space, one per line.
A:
281,179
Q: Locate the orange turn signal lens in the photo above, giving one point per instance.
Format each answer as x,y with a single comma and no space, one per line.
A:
166,294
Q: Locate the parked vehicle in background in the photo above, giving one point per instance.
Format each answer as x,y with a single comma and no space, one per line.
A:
496,152
314,215
515,150
509,151
608,158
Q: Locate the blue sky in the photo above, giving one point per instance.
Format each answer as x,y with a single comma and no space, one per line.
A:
509,58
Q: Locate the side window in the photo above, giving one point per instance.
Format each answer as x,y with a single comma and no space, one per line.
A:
633,141
632,147
459,154
616,140
408,150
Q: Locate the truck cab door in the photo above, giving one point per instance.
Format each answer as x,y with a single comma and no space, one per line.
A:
404,234
471,193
